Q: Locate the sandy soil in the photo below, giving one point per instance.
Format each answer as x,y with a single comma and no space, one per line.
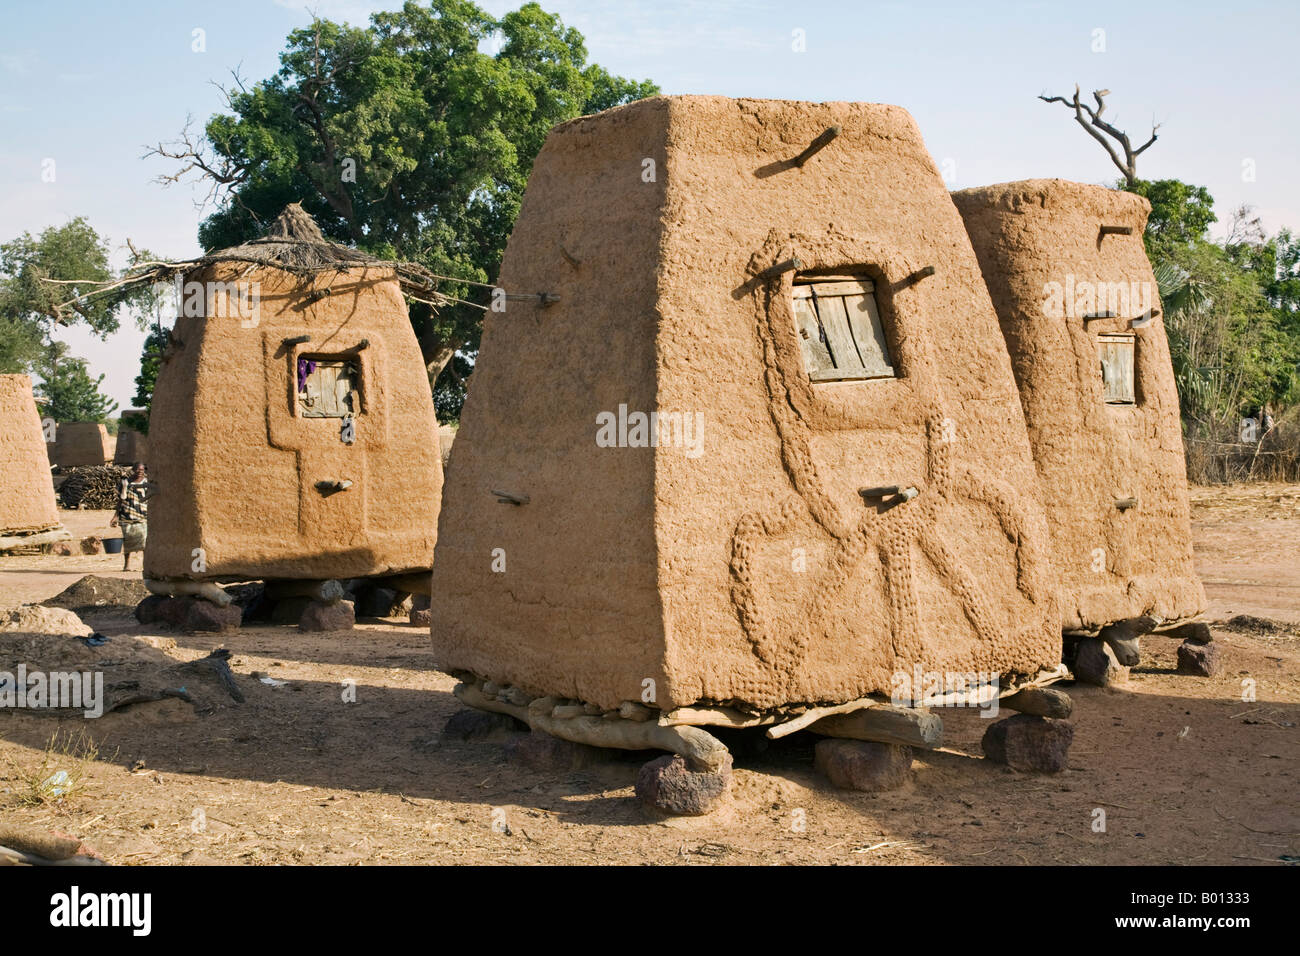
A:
1248,549
1184,770
28,578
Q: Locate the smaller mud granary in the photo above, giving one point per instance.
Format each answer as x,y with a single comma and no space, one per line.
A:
27,503
132,446
292,433
81,443
1081,316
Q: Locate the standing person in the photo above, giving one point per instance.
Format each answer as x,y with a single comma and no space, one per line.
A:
132,513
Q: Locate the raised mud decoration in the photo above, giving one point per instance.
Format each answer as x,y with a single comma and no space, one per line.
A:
28,512
292,433
837,485
1081,316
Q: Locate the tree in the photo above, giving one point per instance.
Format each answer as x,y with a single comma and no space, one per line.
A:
1180,213
1230,306
1282,285
1219,329
20,345
42,281
608,91
66,391
404,139
1104,133
150,362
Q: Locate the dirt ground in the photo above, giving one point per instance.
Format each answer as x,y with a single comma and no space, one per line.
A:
1183,769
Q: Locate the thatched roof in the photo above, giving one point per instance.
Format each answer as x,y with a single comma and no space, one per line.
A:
294,243
294,223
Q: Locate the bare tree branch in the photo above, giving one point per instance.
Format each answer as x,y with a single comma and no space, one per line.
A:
1245,228
1100,129
195,152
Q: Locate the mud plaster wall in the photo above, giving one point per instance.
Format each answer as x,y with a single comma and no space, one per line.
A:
938,582
82,443
26,489
236,467
1110,564
576,611
661,301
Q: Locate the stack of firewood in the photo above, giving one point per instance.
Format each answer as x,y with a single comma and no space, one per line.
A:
91,487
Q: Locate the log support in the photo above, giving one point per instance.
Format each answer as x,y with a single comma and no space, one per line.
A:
203,589
417,582
1040,702
701,750
901,726
325,592
27,540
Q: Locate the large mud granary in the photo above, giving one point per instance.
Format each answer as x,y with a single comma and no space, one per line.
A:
837,485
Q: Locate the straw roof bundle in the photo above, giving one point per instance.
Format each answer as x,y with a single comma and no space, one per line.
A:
292,243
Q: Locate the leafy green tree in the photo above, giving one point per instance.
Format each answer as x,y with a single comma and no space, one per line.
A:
407,139
1283,289
608,91
66,392
1230,307
1180,213
42,283
20,345
150,362
69,252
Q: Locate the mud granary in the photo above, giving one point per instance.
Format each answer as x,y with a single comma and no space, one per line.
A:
836,485
292,433
1081,315
77,444
132,446
27,504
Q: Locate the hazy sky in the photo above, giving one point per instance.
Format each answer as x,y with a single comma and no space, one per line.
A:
90,84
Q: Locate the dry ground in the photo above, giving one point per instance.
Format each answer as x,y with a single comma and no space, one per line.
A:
1182,768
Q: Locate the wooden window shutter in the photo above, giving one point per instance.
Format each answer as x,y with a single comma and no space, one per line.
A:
840,329
329,390
1116,353
812,338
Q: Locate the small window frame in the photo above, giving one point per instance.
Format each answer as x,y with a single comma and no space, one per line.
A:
330,360
1123,348
852,340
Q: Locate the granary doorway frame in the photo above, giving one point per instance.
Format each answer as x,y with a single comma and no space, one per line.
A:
1117,354
332,453
907,397
840,328
330,385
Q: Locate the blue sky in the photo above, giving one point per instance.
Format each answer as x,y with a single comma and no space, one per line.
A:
90,84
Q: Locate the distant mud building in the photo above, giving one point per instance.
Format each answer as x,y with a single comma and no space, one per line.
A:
132,446
77,444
